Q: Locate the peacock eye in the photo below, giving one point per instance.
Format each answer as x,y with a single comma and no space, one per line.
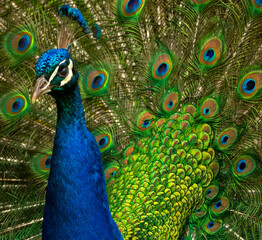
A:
62,71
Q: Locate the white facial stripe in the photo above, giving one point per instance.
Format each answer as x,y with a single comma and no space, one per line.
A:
53,74
62,62
69,76
55,71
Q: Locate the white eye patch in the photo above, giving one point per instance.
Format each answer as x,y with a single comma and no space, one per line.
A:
69,76
55,71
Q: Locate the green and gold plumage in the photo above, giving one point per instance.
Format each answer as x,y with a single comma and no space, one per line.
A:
172,93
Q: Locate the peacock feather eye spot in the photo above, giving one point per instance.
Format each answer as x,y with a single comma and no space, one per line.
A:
210,225
48,162
17,105
257,4
146,123
42,163
18,44
129,151
249,85
206,111
241,166
224,139
227,138
213,226
218,204
131,8
210,51
111,172
170,104
98,81
200,213
209,108
209,191
244,166
104,141
209,55
23,43
132,4
162,69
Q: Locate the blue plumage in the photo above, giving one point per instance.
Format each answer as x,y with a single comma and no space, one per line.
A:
66,10
49,60
75,14
76,202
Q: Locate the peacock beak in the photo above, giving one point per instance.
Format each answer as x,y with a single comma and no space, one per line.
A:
42,86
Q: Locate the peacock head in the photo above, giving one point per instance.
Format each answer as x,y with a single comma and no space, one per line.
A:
55,73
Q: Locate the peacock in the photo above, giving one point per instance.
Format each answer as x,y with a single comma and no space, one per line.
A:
75,193
172,93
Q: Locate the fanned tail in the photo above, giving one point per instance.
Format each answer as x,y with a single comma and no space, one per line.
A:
172,93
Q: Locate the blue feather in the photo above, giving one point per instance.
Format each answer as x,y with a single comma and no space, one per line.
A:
76,202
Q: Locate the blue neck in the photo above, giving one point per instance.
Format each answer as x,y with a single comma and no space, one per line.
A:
70,111
76,202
